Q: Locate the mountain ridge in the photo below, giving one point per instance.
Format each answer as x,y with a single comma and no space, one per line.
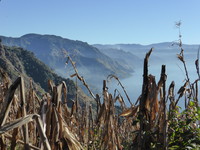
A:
127,47
48,48
16,61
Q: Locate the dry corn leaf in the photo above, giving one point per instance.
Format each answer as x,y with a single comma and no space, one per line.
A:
73,75
72,142
180,57
130,112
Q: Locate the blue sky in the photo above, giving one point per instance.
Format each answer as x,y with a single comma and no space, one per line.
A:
103,21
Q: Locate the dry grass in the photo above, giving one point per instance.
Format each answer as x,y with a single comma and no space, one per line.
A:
29,122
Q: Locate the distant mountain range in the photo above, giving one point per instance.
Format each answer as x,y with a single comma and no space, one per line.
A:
94,62
143,48
134,53
90,61
16,61
128,59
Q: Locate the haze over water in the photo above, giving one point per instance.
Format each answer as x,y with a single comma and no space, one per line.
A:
174,71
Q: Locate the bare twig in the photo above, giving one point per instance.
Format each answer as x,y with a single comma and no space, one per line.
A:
80,77
115,77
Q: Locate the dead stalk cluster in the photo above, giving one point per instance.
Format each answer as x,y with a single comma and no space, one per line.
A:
30,122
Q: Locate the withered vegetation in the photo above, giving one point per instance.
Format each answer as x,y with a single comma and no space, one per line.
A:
28,121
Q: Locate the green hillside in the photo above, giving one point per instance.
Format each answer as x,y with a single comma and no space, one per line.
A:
16,61
49,49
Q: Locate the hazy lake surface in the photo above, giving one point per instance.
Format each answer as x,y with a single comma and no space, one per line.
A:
174,70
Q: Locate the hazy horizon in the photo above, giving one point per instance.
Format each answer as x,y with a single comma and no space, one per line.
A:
100,43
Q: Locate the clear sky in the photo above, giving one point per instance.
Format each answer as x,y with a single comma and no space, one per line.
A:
103,21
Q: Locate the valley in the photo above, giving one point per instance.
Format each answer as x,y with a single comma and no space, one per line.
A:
96,62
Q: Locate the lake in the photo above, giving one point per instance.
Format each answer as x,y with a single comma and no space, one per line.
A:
174,71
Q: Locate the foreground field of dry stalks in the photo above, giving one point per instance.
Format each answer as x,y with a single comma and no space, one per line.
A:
153,122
